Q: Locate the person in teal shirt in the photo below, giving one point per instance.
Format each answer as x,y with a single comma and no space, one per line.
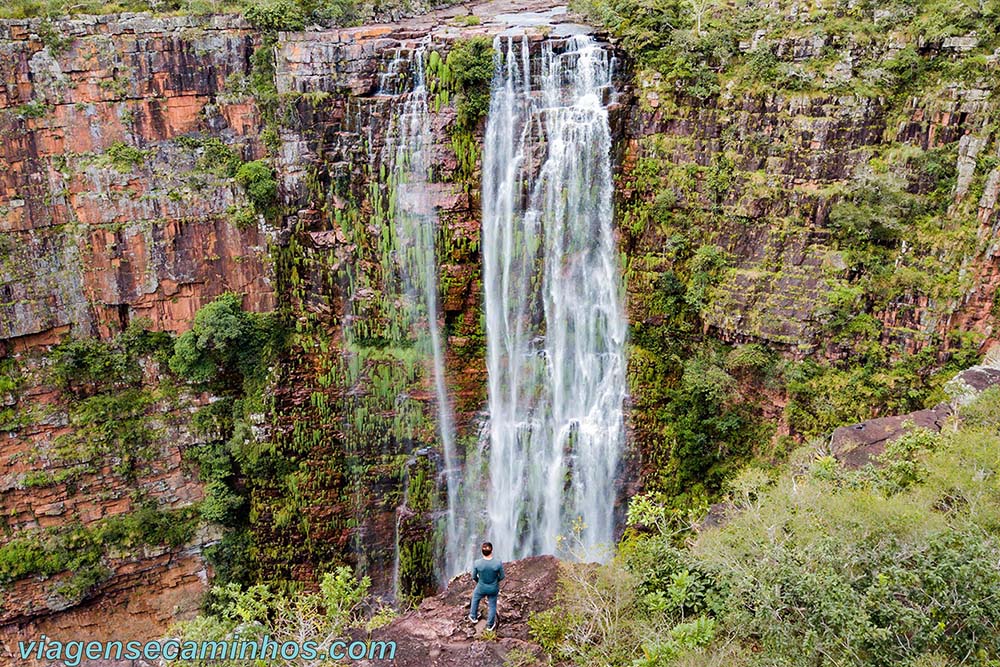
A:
487,572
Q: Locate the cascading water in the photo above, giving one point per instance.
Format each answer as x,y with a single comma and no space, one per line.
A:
414,228
555,323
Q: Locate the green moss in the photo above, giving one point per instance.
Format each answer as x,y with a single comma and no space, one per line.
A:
264,90
110,425
33,109
83,549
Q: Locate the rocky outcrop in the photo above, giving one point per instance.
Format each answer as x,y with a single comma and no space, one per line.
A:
438,634
859,444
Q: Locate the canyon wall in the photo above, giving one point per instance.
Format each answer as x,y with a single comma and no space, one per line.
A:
116,211
111,216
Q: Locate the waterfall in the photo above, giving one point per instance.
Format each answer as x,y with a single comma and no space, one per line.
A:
414,228
555,322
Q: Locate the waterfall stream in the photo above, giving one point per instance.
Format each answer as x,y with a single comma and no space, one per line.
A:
555,322
414,226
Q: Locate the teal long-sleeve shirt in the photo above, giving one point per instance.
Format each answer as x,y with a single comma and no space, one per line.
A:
488,574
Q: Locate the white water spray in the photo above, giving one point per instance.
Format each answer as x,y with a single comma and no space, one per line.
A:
414,228
555,321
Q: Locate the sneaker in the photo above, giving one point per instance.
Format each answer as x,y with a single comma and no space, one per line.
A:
472,620
492,628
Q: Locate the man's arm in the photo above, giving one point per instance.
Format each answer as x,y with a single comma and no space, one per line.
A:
475,573
501,574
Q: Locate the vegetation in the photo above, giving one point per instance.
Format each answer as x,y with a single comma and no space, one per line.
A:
465,74
254,612
699,46
257,179
225,347
271,15
83,551
891,564
227,351
85,366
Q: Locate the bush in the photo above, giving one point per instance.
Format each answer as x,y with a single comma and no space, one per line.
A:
84,366
470,67
275,15
257,180
260,610
225,345
81,549
889,565
870,569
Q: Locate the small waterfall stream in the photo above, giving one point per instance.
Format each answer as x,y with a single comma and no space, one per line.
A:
414,226
555,322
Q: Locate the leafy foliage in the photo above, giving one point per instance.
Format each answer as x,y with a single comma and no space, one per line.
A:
342,602
891,564
84,366
257,179
225,346
470,63
275,15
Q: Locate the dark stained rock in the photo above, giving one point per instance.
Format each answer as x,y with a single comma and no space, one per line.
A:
857,444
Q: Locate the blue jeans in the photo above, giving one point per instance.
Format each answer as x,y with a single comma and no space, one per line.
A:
491,601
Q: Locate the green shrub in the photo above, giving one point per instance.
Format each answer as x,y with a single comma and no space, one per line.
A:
83,365
225,346
470,66
549,628
81,549
257,180
274,15
125,158
864,578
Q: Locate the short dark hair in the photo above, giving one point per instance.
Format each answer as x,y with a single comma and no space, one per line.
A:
487,548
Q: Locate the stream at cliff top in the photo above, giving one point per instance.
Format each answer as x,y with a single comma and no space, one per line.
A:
555,321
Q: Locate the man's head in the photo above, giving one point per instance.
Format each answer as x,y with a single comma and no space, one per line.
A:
487,549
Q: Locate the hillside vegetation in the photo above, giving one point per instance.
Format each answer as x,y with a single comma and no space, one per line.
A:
893,564
269,14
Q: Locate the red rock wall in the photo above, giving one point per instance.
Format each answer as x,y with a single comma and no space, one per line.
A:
90,243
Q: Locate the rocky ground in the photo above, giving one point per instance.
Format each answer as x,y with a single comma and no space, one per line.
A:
437,634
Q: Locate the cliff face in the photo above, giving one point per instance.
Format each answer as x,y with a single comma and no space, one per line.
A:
115,209
758,175
106,216
109,217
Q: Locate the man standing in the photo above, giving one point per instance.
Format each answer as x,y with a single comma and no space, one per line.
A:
487,572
